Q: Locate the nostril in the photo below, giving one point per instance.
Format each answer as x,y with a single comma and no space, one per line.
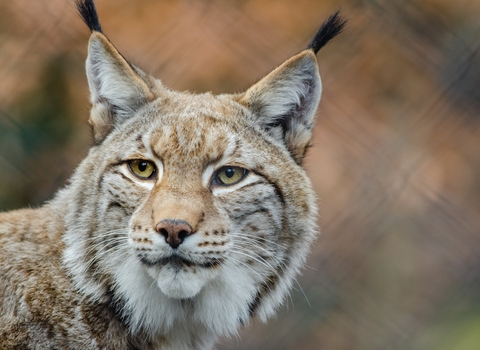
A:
163,232
182,234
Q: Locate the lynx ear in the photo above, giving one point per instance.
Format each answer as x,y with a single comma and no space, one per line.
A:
285,101
116,88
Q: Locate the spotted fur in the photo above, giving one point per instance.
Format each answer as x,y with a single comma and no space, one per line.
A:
92,270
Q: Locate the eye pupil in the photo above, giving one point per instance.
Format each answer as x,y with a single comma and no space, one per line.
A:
229,172
142,166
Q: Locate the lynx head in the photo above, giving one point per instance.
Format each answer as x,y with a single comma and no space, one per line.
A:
193,209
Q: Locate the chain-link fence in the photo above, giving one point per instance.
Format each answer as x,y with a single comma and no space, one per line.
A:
396,156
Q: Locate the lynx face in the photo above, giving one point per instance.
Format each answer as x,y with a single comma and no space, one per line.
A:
208,197
192,211
200,208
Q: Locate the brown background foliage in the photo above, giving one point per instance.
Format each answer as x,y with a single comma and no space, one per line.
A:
395,158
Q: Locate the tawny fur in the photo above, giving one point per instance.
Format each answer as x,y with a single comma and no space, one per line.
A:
90,270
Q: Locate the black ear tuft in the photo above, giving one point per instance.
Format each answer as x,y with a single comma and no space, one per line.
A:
329,29
88,12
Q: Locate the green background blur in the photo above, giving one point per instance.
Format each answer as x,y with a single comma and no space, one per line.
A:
395,162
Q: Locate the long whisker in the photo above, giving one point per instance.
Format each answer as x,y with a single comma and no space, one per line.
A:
109,242
238,261
271,254
101,253
261,261
271,248
264,247
259,240
107,234
305,295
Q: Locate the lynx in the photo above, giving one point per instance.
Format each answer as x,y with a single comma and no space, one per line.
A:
190,215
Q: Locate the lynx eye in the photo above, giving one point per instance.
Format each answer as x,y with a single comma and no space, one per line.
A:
230,175
144,169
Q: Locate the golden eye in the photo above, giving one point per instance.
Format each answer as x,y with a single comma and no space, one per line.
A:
144,169
230,175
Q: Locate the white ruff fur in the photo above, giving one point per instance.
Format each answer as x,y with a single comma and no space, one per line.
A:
217,307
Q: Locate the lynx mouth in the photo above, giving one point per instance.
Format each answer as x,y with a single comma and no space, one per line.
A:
179,277
177,261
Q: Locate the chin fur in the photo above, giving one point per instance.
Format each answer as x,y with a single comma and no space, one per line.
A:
178,282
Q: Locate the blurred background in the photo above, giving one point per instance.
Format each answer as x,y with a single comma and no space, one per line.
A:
395,162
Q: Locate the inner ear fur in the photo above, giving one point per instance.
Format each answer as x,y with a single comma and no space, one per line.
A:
285,101
117,89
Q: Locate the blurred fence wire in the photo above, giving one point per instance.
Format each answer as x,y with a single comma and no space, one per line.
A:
395,162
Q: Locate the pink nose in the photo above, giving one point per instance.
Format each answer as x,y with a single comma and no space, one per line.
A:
174,231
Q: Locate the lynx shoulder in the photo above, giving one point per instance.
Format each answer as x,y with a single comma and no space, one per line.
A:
190,215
